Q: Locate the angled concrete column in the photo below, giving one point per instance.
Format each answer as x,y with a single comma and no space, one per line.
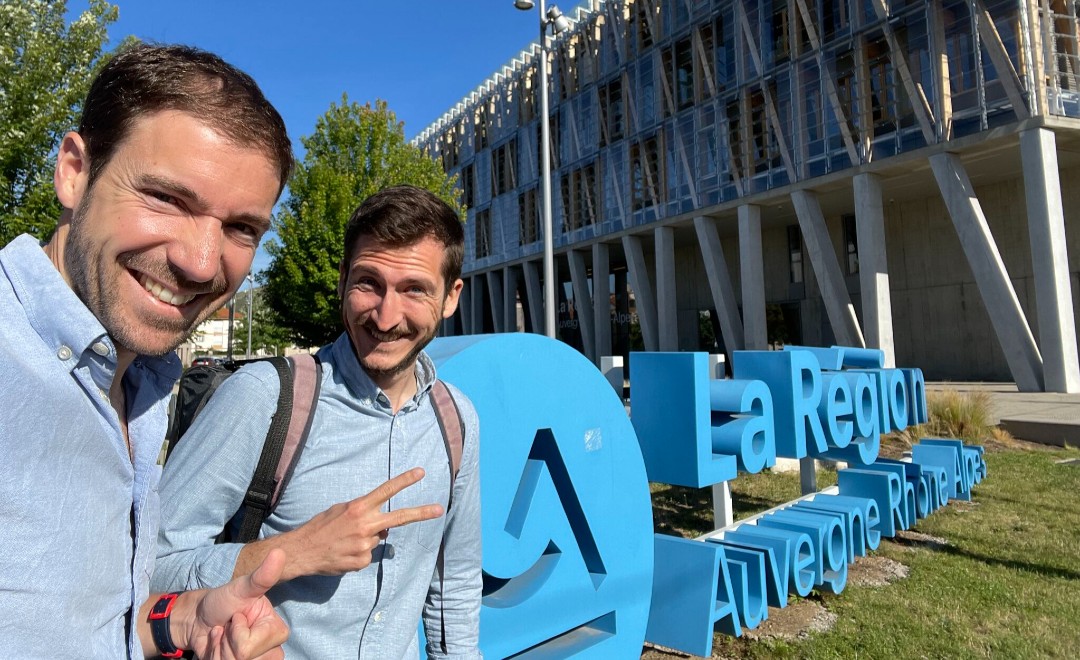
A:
1050,261
1006,316
495,298
601,294
478,304
535,296
510,284
579,278
874,266
827,269
723,294
667,311
644,299
752,271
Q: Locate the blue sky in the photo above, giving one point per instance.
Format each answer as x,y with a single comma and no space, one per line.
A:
420,56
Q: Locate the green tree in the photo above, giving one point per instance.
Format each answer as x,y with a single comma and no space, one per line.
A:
267,335
46,67
354,152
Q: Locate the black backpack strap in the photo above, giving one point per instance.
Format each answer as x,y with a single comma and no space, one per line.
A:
307,381
453,433
297,396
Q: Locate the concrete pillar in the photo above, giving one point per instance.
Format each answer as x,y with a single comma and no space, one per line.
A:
874,266
819,248
1050,261
723,294
723,511
579,279
752,271
477,321
667,311
510,285
1006,316
601,294
535,296
644,300
495,299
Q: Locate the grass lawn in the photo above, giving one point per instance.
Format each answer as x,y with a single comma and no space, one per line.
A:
1005,583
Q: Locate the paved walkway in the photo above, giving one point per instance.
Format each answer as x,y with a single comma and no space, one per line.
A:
1049,418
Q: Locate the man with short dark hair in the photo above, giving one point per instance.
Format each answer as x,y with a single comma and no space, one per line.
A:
367,561
167,188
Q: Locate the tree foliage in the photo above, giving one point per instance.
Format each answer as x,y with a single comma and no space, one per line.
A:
46,67
267,336
354,152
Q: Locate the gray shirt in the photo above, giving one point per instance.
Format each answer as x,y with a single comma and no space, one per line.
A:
355,444
78,515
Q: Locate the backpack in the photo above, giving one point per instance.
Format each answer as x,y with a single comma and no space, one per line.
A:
300,377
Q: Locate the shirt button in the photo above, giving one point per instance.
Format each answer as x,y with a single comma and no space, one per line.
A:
64,353
378,616
101,349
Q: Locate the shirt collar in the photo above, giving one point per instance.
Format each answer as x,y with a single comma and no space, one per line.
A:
360,383
60,318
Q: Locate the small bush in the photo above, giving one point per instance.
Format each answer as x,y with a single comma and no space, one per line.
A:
953,414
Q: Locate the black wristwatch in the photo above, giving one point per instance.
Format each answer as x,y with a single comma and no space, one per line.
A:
159,626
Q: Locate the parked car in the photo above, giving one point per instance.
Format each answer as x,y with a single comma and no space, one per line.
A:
206,361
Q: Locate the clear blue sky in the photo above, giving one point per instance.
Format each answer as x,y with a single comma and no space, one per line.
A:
420,56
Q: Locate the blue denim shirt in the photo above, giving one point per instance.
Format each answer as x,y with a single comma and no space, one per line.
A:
356,443
78,516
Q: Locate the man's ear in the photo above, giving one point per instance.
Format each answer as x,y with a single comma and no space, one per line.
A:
453,294
343,274
72,173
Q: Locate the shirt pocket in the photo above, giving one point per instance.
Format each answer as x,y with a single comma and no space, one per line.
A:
429,533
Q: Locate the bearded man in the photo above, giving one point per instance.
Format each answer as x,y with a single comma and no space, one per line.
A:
167,187
370,554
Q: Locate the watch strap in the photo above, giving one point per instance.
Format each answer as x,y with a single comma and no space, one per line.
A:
159,626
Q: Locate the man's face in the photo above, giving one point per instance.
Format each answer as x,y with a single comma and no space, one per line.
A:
393,300
167,232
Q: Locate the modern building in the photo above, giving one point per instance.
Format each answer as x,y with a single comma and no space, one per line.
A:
739,174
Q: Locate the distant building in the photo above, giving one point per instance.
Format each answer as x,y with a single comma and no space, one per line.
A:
212,335
737,174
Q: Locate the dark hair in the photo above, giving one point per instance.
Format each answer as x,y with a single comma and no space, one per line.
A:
145,79
400,216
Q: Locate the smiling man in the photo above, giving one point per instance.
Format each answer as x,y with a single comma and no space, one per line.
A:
370,553
166,187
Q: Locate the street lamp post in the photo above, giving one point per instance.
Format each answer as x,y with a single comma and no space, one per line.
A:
251,294
558,22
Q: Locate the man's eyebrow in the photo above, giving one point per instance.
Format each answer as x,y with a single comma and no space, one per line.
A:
177,189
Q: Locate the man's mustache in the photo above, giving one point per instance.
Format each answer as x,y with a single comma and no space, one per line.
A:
400,332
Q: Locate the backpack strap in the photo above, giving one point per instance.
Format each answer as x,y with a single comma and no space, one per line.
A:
297,396
453,433
453,429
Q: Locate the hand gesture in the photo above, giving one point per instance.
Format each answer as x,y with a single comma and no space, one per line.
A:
342,538
236,621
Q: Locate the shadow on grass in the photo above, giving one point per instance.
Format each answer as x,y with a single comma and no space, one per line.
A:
1038,569
1016,565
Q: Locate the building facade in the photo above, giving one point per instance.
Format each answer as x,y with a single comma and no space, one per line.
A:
726,175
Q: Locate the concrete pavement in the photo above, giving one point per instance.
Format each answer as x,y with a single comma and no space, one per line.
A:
1049,418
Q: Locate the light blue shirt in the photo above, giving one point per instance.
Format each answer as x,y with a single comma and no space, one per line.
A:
78,516
355,444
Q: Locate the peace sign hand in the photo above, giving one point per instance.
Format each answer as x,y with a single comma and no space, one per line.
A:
342,538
